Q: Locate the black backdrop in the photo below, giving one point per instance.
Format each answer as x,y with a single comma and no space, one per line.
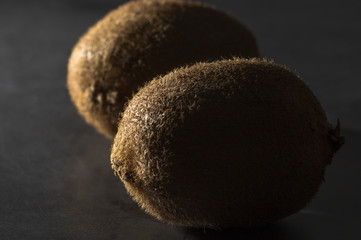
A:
55,176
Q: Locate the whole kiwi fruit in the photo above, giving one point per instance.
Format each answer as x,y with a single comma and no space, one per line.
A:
141,40
229,143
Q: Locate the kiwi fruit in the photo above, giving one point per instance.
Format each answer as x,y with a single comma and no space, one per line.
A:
141,40
240,142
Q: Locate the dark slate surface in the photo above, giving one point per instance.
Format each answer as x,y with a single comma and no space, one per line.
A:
55,177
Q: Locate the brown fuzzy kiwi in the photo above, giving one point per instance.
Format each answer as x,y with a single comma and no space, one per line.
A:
230,143
141,40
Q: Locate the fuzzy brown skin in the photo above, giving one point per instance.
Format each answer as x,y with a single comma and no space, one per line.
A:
141,40
229,143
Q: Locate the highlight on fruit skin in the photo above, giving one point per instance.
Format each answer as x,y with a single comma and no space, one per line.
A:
224,144
141,40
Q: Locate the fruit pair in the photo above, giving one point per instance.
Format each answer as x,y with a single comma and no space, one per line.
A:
211,139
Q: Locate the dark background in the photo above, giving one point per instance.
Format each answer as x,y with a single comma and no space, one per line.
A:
55,176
